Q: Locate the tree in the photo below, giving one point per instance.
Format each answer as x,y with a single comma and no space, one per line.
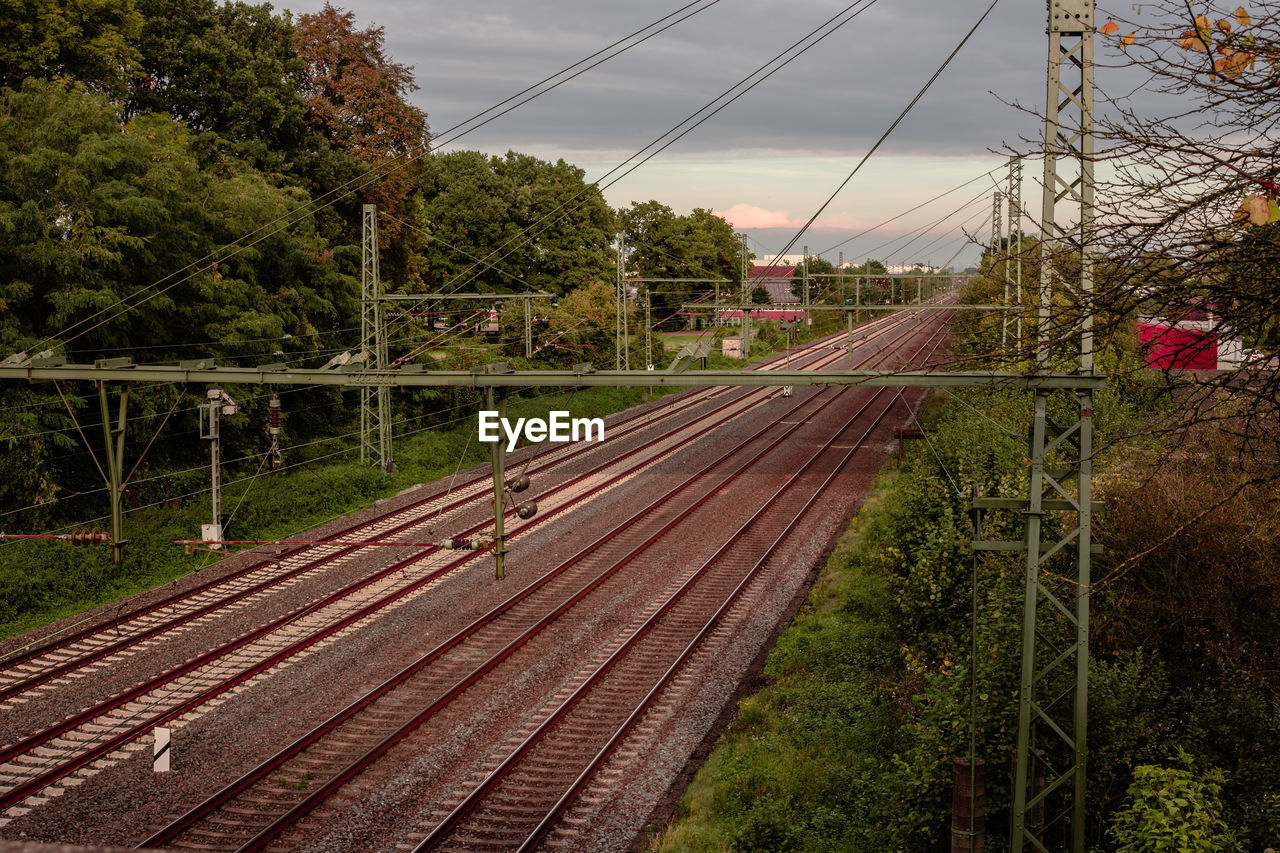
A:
760,295
229,70
1187,214
357,98
93,42
508,224
94,213
662,245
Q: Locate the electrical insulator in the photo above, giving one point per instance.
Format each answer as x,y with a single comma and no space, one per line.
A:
520,483
89,537
273,416
528,509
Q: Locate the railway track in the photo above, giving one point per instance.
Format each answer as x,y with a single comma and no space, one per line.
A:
264,803
27,669
38,760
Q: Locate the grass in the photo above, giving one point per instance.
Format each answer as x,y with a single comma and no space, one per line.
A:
780,777
41,582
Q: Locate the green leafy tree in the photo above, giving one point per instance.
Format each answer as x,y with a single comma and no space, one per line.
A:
229,70
86,40
93,214
508,224
662,245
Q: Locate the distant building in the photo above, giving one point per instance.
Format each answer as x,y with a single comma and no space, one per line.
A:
777,280
1190,337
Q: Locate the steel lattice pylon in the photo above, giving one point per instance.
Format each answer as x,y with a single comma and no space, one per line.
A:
375,403
1013,257
1054,684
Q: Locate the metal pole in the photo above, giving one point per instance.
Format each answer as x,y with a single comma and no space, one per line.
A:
498,453
648,331
215,465
745,302
1013,263
805,274
375,403
1047,676
996,236
528,329
113,441
620,303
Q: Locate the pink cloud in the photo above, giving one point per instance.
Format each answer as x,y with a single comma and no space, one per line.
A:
750,216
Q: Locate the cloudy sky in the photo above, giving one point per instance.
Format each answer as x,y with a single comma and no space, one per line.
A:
769,160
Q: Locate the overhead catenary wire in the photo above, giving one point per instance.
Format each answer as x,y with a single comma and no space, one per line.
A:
902,115
693,121
906,212
351,186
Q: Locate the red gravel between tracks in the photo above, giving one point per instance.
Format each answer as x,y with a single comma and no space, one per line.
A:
126,801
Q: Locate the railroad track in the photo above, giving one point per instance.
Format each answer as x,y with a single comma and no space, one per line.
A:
271,798
28,669
36,761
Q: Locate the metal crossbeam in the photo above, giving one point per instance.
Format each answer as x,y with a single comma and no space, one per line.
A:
414,377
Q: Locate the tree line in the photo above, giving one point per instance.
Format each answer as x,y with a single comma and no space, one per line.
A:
184,178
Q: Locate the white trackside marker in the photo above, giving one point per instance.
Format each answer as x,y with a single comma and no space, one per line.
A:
160,763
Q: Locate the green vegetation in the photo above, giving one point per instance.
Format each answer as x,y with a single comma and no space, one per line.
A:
849,746
44,581
183,179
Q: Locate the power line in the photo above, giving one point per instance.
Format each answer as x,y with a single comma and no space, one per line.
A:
817,35
375,173
893,219
920,94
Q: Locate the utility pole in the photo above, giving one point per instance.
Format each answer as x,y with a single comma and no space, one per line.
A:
648,330
375,403
745,302
621,337
804,273
220,403
997,234
528,329
496,400
1054,690
113,442
1013,276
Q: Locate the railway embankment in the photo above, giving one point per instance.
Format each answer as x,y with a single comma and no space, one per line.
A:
866,699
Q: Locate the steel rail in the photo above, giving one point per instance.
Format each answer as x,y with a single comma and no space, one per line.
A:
630,424
336,781
273,764
471,801
696,397
576,787
22,790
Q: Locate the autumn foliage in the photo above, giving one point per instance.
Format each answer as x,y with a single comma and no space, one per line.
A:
357,97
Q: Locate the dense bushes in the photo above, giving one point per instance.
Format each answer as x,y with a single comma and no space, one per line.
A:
868,695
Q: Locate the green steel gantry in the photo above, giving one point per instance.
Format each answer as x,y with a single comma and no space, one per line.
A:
1053,698
375,403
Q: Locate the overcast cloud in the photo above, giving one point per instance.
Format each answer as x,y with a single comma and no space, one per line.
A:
776,154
